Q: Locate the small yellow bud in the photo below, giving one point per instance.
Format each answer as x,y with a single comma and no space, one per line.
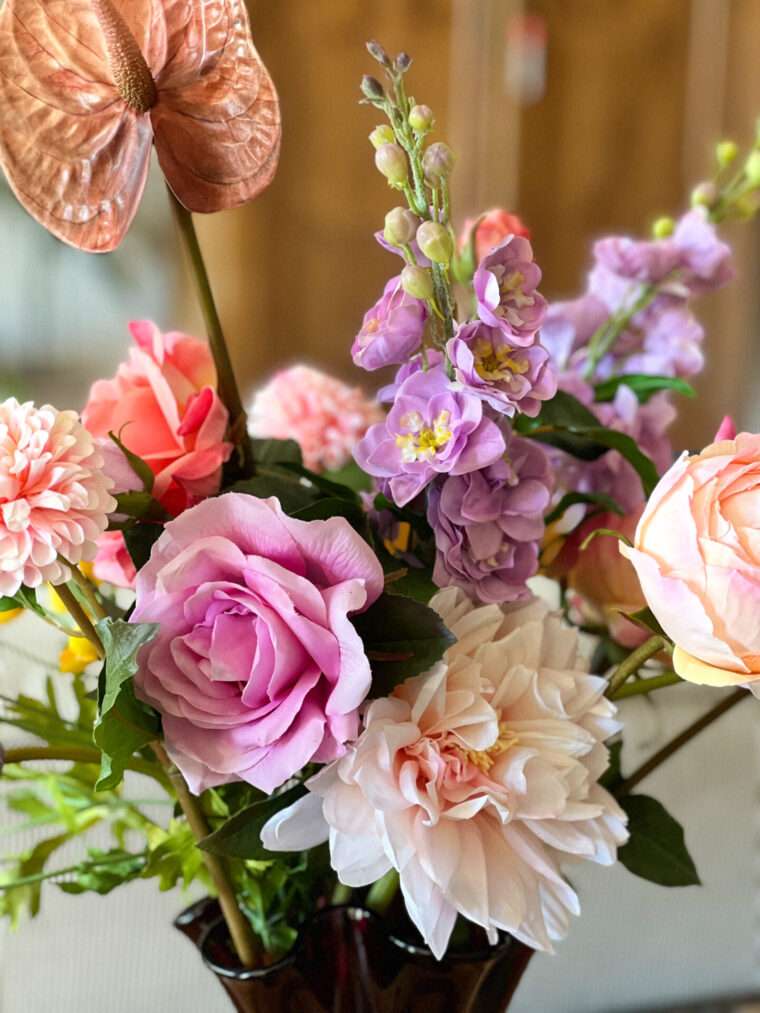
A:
663,228
704,195
752,168
77,655
382,134
726,153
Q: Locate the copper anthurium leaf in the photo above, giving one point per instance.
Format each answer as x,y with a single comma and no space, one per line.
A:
84,84
217,119
75,154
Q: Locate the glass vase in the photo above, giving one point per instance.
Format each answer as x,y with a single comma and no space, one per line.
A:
350,960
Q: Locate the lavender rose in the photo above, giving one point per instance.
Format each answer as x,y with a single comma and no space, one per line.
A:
433,428
488,524
510,379
256,669
392,329
505,285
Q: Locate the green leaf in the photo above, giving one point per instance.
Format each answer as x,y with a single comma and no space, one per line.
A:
333,506
351,475
563,410
415,583
141,468
291,493
140,539
646,618
8,604
240,837
276,452
323,483
600,499
613,773
643,386
140,505
104,871
656,849
124,724
402,637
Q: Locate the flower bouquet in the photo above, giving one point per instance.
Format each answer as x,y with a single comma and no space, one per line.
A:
317,631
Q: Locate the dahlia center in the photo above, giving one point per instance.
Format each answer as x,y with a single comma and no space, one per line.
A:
497,362
421,442
484,759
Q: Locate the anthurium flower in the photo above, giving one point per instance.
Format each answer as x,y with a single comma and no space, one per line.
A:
88,86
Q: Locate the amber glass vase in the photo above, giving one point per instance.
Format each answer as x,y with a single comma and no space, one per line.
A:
348,960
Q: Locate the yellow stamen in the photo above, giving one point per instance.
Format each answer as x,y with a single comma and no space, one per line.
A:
422,442
496,362
484,759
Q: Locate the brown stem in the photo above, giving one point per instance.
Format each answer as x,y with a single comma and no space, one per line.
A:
81,618
626,786
89,592
225,375
241,933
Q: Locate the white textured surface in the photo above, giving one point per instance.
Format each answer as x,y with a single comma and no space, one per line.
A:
635,945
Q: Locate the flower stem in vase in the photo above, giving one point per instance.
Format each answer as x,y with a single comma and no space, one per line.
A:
225,375
241,933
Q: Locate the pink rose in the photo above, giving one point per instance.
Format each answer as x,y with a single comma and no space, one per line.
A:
256,668
605,581
113,563
697,555
163,404
491,228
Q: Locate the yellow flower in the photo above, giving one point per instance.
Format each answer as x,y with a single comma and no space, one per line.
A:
77,655
9,615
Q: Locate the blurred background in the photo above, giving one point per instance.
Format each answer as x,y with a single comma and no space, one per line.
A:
584,116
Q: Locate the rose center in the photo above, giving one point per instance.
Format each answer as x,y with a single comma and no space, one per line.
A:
421,442
131,73
497,362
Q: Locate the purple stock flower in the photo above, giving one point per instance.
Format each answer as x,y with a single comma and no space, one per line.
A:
569,326
706,259
392,329
432,428
387,394
668,345
510,379
488,524
505,285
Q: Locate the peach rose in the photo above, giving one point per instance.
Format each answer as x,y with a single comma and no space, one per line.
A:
606,582
697,554
164,405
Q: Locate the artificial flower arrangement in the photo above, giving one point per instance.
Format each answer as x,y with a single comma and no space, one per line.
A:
336,667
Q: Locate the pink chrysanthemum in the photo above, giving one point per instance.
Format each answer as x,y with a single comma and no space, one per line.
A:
325,417
54,499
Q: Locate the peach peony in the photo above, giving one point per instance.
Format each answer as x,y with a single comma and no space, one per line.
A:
697,555
54,496
325,417
474,780
163,404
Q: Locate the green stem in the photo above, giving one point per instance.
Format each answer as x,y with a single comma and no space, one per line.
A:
381,894
644,686
225,375
634,661
40,877
611,329
89,592
80,617
80,754
626,786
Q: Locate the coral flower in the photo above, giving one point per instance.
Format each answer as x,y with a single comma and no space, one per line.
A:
325,417
54,496
87,86
474,781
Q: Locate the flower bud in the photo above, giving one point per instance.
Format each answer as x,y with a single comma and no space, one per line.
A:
726,153
704,195
403,62
417,282
438,161
391,161
663,228
372,89
421,119
377,52
435,242
400,226
752,168
382,134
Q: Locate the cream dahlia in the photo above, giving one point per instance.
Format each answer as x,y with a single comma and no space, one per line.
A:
325,417
54,499
474,780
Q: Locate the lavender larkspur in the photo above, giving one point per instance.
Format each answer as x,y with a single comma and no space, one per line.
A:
488,524
391,330
505,284
433,428
510,379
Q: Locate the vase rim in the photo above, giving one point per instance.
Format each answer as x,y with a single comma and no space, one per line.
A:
356,912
